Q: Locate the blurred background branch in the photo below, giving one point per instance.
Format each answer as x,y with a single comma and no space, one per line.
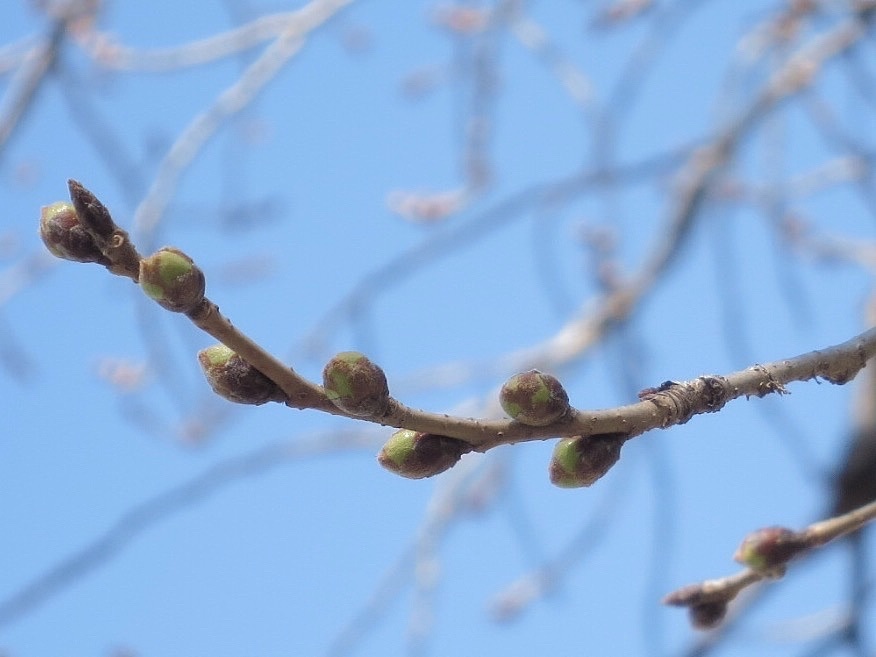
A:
620,192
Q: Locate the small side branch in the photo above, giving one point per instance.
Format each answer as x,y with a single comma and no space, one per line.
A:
767,553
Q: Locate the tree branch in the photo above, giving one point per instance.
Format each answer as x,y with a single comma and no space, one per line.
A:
669,404
767,552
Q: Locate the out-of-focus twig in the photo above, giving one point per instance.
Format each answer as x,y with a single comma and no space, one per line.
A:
17,277
698,178
769,551
136,520
30,76
461,492
240,94
109,53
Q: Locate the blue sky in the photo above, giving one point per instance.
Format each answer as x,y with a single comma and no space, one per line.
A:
304,530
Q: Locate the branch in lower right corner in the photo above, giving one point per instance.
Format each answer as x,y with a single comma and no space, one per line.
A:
767,553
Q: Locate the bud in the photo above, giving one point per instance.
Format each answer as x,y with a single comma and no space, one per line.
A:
415,455
534,398
707,615
236,380
172,279
92,213
582,460
356,385
65,236
768,550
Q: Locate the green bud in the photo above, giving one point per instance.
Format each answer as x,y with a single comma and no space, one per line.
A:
356,385
65,236
534,398
415,455
236,380
582,460
768,550
172,279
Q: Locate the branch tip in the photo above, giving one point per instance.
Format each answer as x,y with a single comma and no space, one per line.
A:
92,213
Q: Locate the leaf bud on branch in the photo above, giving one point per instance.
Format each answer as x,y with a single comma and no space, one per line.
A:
707,615
65,237
582,460
534,398
172,279
356,385
768,550
415,455
94,215
234,379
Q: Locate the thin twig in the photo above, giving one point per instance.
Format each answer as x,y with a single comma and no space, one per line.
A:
136,520
672,403
776,547
231,101
29,78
